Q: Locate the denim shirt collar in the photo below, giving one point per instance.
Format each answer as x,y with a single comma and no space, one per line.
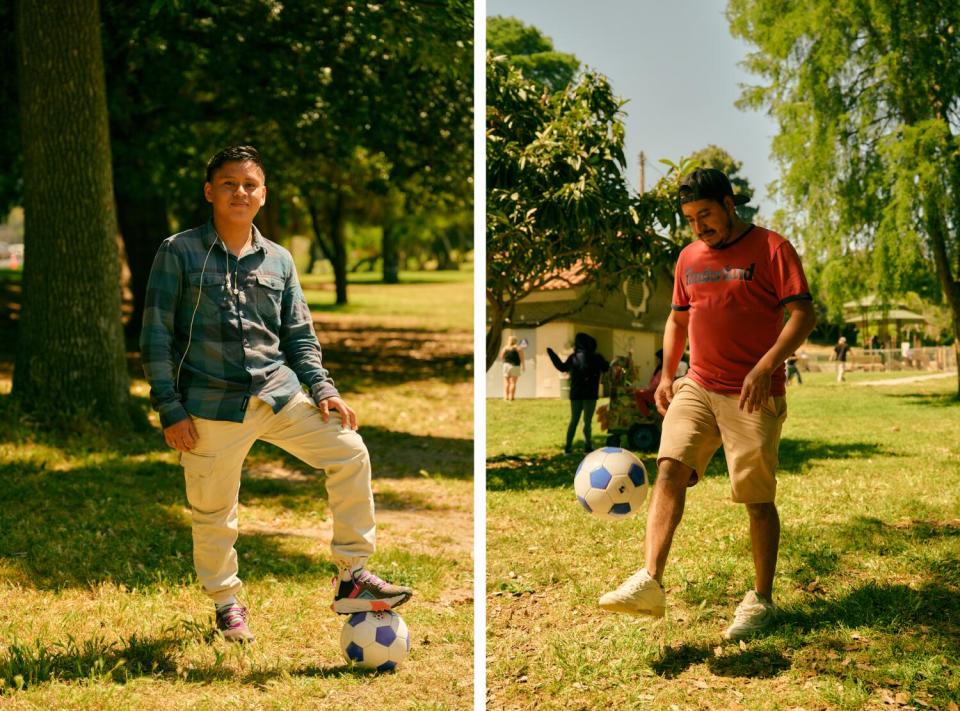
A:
208,234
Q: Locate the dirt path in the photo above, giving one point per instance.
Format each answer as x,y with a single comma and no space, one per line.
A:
910,379
418,514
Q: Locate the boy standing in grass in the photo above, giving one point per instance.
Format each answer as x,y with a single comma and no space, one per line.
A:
228,345
731,287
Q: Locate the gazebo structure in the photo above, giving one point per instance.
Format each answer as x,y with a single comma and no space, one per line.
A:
872,311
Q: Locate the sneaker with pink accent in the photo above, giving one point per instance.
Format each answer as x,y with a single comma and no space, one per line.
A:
232,623
365,592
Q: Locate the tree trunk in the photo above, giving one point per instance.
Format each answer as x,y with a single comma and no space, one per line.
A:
444,251
339,238
494,333
143,225
70,363
937,231
268,219
316,254
390,252
335,250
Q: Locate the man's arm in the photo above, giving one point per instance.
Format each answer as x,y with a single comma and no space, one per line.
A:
674,343
756,386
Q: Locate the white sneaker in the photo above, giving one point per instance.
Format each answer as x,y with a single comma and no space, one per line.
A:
640,594
753,615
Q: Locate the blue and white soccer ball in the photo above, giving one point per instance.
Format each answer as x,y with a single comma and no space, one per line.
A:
611,483
375,640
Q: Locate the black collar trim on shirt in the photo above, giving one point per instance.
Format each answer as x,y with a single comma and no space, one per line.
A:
730,244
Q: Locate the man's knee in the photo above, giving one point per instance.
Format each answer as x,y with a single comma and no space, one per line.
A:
675,474
762,511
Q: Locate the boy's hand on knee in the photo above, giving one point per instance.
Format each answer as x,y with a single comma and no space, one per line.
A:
347,415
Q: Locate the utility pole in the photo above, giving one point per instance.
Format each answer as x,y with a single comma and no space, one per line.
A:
643,160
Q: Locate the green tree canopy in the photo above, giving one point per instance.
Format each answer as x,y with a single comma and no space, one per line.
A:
557,199
866,94
528,49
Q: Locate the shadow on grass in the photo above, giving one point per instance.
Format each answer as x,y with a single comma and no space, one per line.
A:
395,455
753,662
119,661
893,608
364,358
24,666
519,472
926,612
945,400
124,522
814,552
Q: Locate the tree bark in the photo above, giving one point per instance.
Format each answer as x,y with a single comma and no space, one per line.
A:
268,219
336,249
339,238
390,252
143,225
494,333
937,231
70,362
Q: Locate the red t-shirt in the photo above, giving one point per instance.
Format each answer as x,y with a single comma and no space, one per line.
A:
735,295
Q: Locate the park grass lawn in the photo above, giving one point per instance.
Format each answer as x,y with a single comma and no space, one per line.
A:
439,301
99,606
868,581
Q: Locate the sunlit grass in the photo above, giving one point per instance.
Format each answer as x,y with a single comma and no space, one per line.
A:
437,301
99,606
868,579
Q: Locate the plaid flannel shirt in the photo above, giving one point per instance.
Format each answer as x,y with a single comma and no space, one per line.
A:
252,333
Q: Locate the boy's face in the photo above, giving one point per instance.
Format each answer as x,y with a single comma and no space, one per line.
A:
710,220
237,192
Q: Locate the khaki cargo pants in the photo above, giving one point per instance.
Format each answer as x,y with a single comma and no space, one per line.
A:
212,473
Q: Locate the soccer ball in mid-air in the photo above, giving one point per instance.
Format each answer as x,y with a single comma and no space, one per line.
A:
376,640
611,483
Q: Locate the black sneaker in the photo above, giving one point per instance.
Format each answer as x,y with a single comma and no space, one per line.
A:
365,592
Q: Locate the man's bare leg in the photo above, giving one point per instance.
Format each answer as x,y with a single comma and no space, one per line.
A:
642,592
664,513
765,541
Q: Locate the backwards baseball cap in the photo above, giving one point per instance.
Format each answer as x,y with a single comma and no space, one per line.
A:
708,184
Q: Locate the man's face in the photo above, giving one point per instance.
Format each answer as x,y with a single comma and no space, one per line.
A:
237,191
710,220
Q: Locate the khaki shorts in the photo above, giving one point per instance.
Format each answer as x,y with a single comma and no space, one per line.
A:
699,421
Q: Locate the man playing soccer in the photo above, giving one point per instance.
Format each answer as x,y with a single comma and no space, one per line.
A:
731,287
228,345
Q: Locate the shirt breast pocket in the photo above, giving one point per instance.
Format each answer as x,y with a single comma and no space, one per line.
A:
207,292
269,297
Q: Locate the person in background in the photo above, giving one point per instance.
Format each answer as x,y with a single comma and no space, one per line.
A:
513,367
585,366
840,352
792,369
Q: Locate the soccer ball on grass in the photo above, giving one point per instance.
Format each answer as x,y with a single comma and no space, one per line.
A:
375,640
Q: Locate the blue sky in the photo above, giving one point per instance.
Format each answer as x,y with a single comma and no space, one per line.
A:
676,64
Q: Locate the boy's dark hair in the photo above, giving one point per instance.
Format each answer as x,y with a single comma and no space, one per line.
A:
238,154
